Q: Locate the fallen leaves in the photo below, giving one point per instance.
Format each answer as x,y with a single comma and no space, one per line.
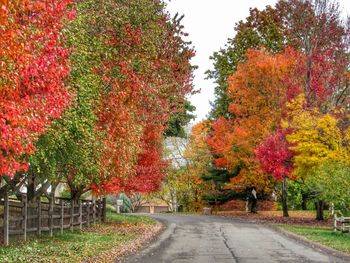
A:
144,233
276,217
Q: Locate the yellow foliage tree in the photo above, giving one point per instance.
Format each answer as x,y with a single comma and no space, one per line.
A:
316,137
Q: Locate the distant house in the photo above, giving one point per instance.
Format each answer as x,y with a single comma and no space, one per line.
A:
174,149
153,206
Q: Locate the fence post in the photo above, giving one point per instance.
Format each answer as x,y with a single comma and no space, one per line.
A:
72,215
39,215
98,209
80,215
88,212
6,219
51,204
24,216
94,210
101,209
62,215
100,212
104,210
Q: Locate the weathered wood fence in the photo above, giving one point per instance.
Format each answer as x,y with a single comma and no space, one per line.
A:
21,218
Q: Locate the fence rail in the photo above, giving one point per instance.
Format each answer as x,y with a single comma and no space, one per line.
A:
21,217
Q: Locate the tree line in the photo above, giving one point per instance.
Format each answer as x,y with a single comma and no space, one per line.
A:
88,89
281,109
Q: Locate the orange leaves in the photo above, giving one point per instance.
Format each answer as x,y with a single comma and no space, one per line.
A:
261,77
258,90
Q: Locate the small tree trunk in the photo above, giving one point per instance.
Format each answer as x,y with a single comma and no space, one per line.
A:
215,210
254,201
76,194
284,196
30,187
254,205
319,210
304,201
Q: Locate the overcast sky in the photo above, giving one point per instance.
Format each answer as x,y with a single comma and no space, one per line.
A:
210,23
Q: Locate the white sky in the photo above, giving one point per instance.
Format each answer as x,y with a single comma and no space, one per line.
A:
210,23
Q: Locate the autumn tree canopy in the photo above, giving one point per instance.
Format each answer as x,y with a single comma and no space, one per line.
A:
34,66
88,90
281,100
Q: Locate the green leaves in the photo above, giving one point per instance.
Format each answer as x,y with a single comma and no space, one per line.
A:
331,181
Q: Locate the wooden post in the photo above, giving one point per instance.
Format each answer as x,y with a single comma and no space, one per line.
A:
51,204
72,215
88,212
39,216
62,216
6,219
80,215
101,209
104,202
98,210
94,210
24,216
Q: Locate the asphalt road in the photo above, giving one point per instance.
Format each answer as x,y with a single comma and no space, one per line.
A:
209,239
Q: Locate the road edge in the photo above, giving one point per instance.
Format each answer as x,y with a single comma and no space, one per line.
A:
152,244
328,250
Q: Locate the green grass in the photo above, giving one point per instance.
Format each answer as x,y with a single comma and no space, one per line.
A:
122,218
325,236
73,246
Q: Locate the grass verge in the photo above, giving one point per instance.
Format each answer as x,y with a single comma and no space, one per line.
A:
78,245
324,236
131,219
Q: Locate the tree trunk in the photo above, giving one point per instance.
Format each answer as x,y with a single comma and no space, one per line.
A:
11,184
76,194
254,205
304,201
254,201
284,196
319,209
308,74
31,187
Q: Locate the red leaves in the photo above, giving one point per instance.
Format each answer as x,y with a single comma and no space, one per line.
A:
274,155
143,89
142,66
34,66
150,170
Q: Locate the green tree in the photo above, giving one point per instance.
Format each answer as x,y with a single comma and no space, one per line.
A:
260,29
180,119
69,151
331,182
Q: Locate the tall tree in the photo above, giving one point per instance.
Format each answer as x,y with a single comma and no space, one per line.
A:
258,92
130,73
316,139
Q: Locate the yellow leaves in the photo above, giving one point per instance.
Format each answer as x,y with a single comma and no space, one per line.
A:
295,108
197,151
316,137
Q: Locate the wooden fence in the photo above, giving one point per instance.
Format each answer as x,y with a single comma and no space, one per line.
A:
21,218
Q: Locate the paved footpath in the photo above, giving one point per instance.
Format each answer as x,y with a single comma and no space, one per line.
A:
210,239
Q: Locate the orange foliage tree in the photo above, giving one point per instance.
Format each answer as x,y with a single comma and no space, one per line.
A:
258,90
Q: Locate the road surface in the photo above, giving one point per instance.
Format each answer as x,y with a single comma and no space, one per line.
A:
209,239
